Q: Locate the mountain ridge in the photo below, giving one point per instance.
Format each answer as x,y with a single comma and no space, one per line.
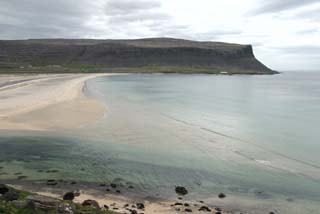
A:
168,55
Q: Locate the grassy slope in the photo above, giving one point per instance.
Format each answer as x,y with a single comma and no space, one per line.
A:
7,207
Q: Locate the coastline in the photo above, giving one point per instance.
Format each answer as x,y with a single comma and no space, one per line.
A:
45,102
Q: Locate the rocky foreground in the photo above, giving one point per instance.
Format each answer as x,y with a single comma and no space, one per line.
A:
164,55
14,201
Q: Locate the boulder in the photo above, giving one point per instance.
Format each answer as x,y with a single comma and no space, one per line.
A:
205,208
91,203
43,202
11,196
181,190
3,189
140,206
69,196
221,195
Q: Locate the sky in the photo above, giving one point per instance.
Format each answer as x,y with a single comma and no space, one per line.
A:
285,34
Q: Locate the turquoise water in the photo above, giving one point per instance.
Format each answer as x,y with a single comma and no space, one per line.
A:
236,134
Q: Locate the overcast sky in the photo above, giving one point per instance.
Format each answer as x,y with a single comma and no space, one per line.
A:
285,34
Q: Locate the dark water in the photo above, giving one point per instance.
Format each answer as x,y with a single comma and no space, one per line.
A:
242,135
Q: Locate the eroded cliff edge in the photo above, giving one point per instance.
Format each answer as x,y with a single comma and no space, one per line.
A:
142,55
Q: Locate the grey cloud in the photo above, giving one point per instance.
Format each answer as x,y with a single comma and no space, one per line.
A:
310,14
273,6
129,11
139,17
144,15
22,19
116,7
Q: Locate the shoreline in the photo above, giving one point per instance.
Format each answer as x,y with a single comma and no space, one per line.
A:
45,102
121,199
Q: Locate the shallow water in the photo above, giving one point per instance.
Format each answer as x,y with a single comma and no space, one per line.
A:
249,136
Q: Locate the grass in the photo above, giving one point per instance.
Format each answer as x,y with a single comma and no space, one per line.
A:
9,207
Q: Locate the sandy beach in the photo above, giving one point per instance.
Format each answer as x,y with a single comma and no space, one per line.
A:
42,102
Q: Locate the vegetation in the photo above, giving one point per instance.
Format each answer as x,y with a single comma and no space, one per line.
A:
19,202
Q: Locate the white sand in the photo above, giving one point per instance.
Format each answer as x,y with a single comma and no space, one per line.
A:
42,102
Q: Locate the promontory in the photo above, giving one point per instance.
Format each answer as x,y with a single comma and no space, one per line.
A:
163,55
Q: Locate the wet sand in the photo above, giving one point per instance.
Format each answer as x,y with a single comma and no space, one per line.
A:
43,102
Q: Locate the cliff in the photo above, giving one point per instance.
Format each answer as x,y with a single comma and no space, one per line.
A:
142,55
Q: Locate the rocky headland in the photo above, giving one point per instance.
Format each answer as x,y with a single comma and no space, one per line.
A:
156,55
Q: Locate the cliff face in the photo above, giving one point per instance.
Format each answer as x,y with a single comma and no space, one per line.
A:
154,54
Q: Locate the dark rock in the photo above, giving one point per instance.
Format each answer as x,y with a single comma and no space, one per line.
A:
113,185
180,198
52,171
126,205
22,177
181,190
201,202
140,206
178,204
118,191
73,183
3,189
103,185
52,182
188,210
108,190
205,208
218,212
91,203
11,196
69,196
43,202
221,195
133,212
130,187
271,213
106,207
18,173
186,205
177,209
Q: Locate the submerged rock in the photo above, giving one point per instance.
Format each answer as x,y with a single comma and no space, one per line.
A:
52,182
222,195
181,190
113,185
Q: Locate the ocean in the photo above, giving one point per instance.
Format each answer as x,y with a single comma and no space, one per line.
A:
253,137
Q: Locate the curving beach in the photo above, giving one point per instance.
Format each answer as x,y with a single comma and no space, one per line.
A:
48,101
